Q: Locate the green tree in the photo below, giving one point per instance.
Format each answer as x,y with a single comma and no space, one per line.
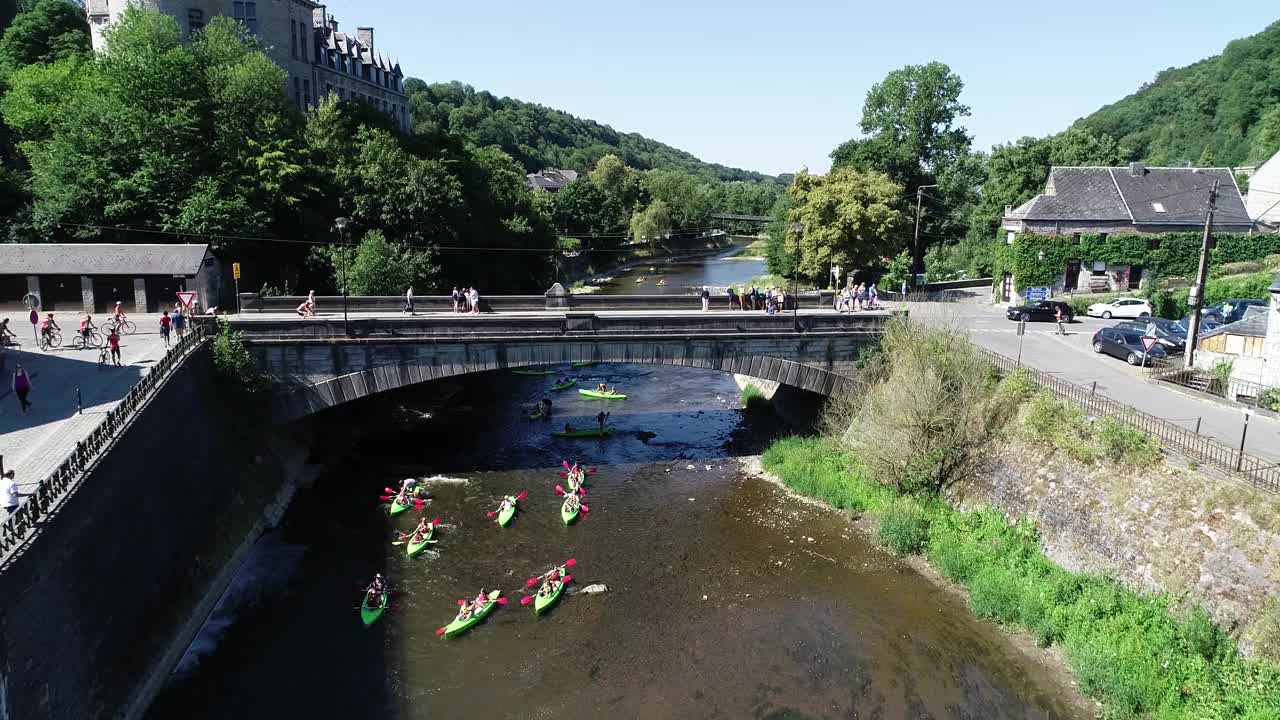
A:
652,223
688,197
586,209
851,218
610,173
51,30
1266,139
377,266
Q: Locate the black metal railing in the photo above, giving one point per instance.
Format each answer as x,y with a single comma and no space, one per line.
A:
50,491
1261,473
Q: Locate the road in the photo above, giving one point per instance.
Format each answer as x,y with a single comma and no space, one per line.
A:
1072,358
35,443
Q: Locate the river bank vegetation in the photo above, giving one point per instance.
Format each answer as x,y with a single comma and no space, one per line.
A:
931,409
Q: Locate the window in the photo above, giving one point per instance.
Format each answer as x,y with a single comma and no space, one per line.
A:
195,21
306,93
297,92
1075,238
293,37
1158,207
246,13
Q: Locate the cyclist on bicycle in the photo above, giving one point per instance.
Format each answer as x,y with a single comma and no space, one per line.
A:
48,325
119,315
87,326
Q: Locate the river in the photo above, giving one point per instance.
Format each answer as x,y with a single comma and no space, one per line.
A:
685,277
727,598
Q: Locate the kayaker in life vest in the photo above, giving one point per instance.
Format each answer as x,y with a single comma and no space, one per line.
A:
571,501
464,612
601,388
375,591
408,489
421,531
550,583
482,599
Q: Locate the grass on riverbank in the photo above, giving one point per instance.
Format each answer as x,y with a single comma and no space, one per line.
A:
757,249
1134,652
753,399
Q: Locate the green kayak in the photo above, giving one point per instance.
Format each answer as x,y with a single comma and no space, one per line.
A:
568,515
536,414
458,627
601,395
414,548
591,432
534,373
542,603
397,508
584,363
370,615
504,517
564,385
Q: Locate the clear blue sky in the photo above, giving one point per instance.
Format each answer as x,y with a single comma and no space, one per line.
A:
774,86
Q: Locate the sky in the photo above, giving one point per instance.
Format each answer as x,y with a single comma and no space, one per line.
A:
775,86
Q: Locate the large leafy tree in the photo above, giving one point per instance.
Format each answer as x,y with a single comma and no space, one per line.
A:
911,132
378,266
588,210
51,30
850,217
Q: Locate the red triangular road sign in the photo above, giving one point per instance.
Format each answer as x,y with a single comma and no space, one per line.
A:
186,297
1148,342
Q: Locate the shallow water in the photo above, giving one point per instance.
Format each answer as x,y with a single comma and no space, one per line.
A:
727,598
688,276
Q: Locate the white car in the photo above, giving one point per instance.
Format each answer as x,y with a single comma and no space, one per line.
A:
1121,308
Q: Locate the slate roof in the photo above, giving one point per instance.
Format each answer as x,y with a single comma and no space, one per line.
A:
1121,193
1254,325
350,46
551,179
100,259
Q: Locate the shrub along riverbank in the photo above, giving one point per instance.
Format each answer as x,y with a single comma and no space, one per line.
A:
927,412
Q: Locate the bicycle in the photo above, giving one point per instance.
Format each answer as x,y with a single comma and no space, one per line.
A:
85,342
124,327
51,339
104,356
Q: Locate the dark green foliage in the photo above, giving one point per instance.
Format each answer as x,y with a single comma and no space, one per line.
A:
233,363
51,30
541,137
904,526
1221,109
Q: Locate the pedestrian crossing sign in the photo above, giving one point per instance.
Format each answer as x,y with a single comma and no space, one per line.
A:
186,297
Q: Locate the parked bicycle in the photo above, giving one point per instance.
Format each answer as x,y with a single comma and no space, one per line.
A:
51,339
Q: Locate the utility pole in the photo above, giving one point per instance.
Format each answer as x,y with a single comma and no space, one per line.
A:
1202,275
917,257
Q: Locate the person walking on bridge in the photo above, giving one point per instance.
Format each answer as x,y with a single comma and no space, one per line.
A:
8,490
408,300
706,298
22,388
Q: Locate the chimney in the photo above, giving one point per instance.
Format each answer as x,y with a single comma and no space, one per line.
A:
333,25
365,36
1137,169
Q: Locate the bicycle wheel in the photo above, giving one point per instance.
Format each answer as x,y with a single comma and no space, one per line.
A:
55,339
127,327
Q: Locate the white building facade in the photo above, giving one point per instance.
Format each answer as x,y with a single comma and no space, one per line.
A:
300,36
1264,194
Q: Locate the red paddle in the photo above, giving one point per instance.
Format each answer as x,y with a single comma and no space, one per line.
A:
567,564
522,495
526,599
566,464
441,631
559,490
585,509
492,514
501,601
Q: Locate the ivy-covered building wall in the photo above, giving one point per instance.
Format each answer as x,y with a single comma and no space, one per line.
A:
1033,260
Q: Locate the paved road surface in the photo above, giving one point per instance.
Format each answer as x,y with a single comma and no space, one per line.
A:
35,443
1072,358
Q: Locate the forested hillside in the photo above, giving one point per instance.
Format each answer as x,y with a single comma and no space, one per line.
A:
540,137
1224,110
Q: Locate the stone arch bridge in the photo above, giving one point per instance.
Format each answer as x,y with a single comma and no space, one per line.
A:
323,363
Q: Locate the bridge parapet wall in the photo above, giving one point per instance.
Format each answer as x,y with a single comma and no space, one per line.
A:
251,303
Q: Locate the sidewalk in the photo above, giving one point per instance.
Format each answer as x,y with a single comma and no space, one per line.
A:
33,444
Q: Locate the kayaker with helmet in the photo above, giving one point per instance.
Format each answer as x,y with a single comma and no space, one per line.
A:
375,591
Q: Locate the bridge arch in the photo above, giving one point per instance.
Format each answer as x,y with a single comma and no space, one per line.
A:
313,376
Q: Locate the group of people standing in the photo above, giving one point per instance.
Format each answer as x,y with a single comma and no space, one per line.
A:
857,297
770,300
466,300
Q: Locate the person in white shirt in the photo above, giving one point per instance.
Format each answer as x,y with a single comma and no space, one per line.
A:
9,493
475,301
408,301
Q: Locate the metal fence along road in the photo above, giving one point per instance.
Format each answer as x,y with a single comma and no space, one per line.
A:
1263,474
50,491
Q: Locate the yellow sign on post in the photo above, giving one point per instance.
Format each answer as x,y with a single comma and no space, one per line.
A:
235,271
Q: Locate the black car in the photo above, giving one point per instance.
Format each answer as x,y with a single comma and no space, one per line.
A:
1045,310
1209,319
1126,344
1170,333
1233,310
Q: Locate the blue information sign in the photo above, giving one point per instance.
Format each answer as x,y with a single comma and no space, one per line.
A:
1036,294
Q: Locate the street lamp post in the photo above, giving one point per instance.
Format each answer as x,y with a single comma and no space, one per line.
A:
795,280
341,224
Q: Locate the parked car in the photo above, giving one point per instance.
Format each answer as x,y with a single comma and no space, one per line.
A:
1234,310
1121,308
1045,310
1210,318
1170,333
1127,345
